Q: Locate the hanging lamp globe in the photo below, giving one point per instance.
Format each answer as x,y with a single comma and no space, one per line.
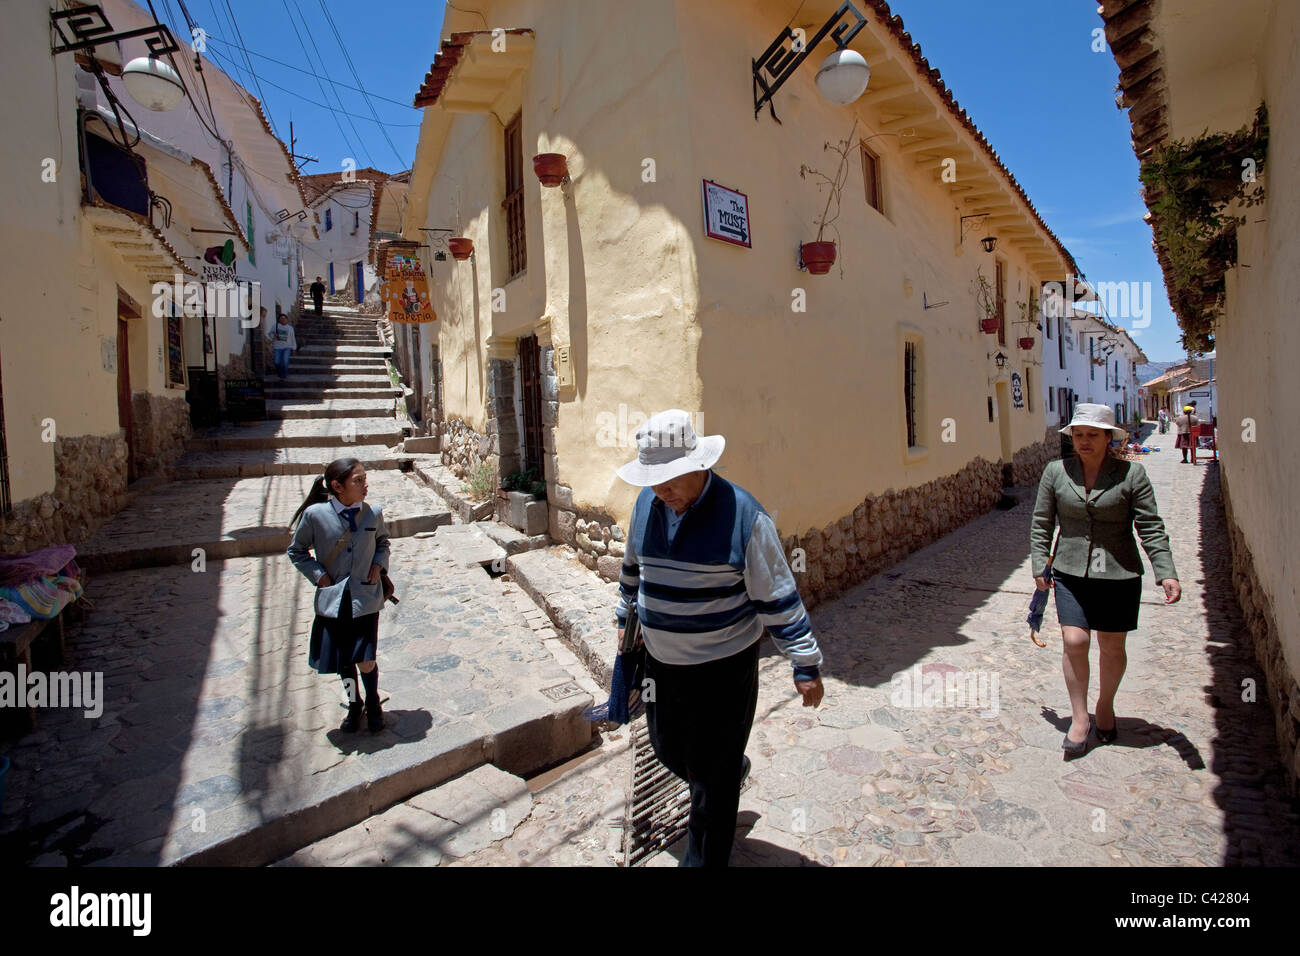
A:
153,84
843,76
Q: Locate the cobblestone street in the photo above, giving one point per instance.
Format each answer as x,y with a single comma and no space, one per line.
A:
1192,780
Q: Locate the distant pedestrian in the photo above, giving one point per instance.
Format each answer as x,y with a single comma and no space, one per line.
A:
283,343
351,550
1098,499
1163,417
318,296
1185,423
705,569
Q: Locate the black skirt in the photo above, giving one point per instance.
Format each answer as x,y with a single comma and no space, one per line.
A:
339,642
1097,605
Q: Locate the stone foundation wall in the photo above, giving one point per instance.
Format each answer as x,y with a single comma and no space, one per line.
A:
462,447
161,428
502,425
1283,690
595,536
886,528
89,485
1027,464
239,366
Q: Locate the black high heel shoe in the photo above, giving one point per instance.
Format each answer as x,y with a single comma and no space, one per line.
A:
1073,748
1107,736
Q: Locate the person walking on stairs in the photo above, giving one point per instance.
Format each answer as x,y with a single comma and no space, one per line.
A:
283,343
318,296
349,571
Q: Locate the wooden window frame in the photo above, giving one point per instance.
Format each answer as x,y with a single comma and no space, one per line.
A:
871,179
512,205
910,350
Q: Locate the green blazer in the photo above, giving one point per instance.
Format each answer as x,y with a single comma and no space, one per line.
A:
1097,528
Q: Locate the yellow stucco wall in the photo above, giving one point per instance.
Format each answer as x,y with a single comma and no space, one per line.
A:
658,315
1258,337
60,281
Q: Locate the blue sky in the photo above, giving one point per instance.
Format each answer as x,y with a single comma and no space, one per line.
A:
1024,70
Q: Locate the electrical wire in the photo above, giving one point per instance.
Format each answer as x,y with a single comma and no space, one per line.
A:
356,76
240,36
323,94
306,24
298,69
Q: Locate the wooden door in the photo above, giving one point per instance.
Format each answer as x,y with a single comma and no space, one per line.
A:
530,380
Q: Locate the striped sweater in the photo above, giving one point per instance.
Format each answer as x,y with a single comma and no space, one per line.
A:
709,592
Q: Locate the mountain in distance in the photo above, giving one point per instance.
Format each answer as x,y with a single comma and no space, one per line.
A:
1150,370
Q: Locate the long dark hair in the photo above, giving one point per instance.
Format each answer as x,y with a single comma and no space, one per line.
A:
322,487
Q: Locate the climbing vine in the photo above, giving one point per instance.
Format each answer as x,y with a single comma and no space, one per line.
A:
1195,189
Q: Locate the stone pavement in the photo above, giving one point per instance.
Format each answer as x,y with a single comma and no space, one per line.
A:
216,743
872,779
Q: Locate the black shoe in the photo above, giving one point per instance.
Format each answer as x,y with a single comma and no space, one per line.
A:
1106,736
352,722
1074,749
744,770
374,718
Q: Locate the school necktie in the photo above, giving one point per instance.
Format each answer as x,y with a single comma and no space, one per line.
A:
351,515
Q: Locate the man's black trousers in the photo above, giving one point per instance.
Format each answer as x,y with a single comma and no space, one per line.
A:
699,721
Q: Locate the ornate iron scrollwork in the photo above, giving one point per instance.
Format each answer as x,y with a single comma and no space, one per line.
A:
780,61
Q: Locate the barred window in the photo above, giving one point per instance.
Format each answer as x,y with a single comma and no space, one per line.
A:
909,392
513,204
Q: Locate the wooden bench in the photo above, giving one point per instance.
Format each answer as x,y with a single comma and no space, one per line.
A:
16,648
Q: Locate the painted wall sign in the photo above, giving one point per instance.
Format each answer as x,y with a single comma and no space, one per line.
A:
175,351
406,291
1017,393
726,214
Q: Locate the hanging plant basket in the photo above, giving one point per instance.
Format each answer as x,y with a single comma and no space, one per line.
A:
1027,342
460,247
817,257
989,326
551,168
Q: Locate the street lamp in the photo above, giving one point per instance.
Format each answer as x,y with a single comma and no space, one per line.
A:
153,84
842,77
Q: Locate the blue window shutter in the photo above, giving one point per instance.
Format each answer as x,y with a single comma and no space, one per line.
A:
329,224
331,278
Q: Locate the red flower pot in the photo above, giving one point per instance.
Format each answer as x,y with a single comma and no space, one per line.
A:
461,248
818,257
989,326
1027,342
551,168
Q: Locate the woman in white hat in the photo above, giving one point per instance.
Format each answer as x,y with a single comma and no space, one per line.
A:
1098,498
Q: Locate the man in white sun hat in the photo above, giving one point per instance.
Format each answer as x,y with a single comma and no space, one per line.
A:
704,566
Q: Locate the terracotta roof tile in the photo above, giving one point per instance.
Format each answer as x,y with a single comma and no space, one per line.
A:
448,57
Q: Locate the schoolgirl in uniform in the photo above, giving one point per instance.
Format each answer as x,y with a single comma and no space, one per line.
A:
351,558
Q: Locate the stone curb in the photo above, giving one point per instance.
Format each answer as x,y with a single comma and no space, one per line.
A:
577,601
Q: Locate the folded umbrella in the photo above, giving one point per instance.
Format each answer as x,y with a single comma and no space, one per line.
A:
1037,604
625,703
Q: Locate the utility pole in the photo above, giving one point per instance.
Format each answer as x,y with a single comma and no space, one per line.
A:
293,145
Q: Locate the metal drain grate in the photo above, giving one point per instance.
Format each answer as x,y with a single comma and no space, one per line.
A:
659,804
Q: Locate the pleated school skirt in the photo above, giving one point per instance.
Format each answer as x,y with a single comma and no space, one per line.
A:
1097,605
338,642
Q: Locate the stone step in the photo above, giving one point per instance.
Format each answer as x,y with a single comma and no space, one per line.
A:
448,822
329,408
511,540
453,491
579,603
255,462
235,518
285,392
471,546
308,377
368,352
333,365
299,432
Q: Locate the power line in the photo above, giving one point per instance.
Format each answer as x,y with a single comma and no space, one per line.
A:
298,69
324,95
306,24
240,36
356,76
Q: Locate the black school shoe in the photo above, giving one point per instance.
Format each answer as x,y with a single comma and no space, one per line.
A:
374,718
352,722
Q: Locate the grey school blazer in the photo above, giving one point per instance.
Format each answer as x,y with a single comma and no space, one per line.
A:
1103,521
320,529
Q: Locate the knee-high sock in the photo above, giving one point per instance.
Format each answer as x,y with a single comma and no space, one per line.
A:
370,680
348,672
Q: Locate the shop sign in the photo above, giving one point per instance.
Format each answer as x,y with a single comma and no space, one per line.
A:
726,214
406,291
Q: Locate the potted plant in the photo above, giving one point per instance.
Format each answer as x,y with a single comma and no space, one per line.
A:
819,255
461,248
986,301
552,169
1026,342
